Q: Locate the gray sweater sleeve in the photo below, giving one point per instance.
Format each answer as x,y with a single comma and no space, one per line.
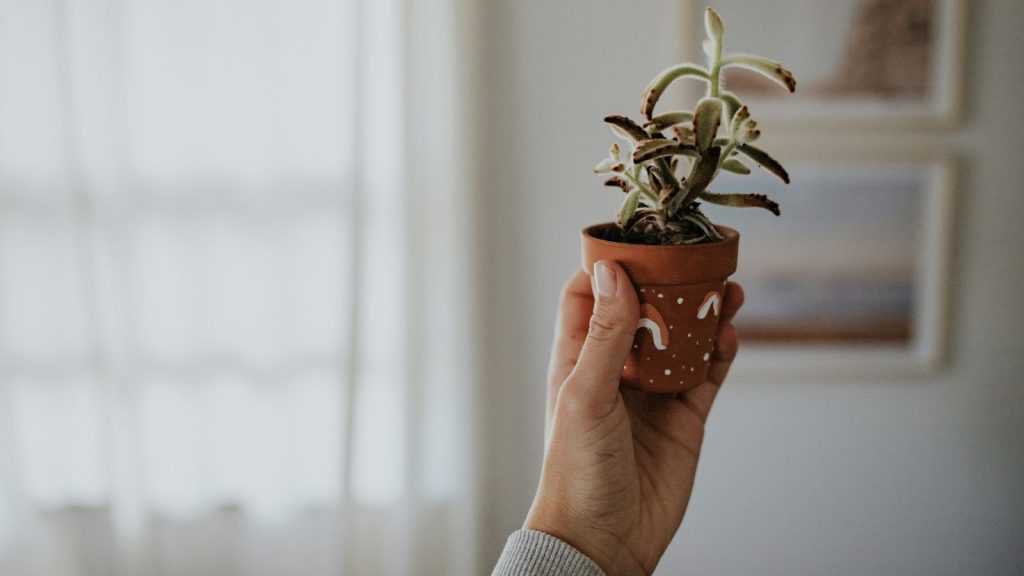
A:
533,553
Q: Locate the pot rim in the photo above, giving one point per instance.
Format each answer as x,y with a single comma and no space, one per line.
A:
656,264
729,233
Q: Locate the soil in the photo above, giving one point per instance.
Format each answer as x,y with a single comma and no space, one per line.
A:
653,237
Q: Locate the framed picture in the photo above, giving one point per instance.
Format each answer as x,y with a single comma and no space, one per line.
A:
852,278
858,63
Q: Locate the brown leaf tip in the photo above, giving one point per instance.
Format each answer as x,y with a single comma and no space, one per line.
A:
787,77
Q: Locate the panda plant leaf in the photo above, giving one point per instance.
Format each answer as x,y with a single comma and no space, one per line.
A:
671,159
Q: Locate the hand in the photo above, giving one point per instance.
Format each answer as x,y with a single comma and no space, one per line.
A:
620,463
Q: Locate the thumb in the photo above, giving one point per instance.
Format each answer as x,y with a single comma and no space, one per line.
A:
612,326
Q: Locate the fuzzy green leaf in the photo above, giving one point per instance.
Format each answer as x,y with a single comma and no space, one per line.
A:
661,82
629,206
703,173
652,177
683,134
630,129
701,221
735,166
742,201
609,165
713,25
765,161
659,148
667,120
619,182
768,68
707,117
739,122
651,145
732,104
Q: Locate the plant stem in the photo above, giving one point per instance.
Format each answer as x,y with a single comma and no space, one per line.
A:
716,71
644,189
666,173
727,150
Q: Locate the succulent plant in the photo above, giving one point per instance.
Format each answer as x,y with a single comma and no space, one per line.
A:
662,207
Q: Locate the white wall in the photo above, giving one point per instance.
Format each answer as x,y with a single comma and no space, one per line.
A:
897,477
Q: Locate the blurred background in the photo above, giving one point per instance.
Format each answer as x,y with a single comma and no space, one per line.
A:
277,282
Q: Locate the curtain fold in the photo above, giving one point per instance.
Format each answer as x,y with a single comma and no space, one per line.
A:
234,283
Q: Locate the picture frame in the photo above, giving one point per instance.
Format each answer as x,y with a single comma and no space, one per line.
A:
908,73
855,282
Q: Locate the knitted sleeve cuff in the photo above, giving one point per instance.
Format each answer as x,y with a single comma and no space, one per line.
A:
533,553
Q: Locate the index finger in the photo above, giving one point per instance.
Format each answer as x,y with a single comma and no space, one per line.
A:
733,300
726,344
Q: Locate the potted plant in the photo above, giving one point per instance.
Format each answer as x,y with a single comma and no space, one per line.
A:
678,259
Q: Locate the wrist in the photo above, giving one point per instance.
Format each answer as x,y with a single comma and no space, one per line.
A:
605,549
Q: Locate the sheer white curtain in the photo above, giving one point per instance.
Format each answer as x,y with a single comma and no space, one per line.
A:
233,286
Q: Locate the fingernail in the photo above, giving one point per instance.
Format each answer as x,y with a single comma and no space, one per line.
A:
604,277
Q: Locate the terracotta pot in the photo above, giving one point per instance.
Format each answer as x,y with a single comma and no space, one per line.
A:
680,290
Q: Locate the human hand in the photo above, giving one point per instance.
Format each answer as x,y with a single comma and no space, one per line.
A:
620,463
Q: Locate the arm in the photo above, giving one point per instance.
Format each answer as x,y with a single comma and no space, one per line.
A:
620,464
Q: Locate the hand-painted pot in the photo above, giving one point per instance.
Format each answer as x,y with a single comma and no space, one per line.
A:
680,290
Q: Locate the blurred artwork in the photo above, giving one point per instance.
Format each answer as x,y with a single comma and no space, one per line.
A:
856,61
843,263
887,52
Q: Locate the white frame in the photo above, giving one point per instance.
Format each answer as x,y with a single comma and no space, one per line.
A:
925,353
945,114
